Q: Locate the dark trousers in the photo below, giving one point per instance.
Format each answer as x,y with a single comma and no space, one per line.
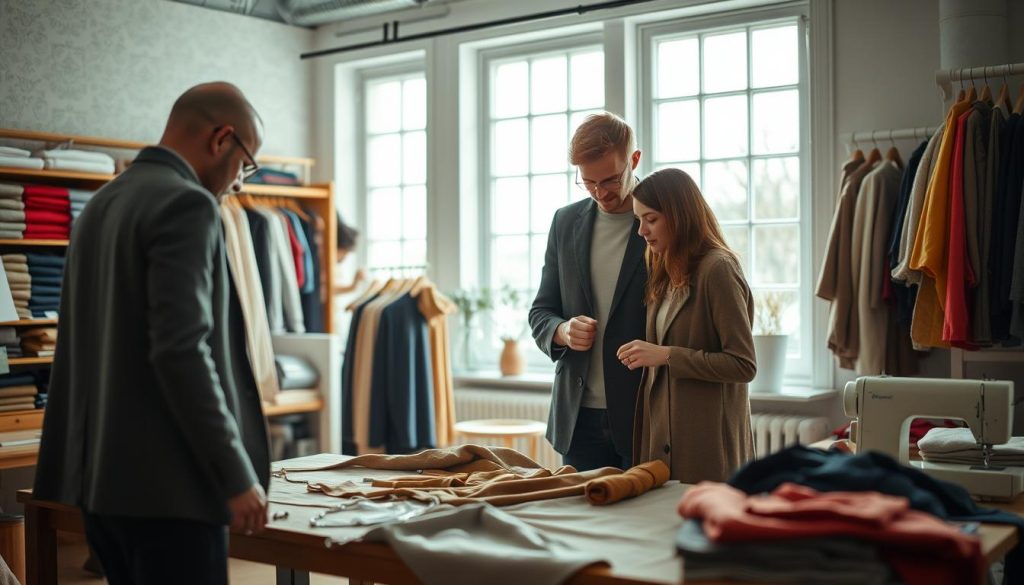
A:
144,551
592,446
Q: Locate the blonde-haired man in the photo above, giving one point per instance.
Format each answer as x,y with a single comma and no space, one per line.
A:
590,300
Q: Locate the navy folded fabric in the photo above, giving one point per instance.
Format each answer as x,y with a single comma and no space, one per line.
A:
46,280
34,270
44,290
43,300
16,380
37,259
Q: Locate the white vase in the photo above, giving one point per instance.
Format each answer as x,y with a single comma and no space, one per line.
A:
770,351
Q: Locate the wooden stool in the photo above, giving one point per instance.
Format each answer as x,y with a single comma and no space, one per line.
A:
505,429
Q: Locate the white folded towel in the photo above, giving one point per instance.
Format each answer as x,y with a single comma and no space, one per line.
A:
11,151
11,189
70,164
75,154
957,445
12,204
80,195
21,162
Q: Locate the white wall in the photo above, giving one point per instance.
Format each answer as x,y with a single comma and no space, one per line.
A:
113,67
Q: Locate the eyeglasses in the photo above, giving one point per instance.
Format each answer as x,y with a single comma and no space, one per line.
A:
251,167
607,184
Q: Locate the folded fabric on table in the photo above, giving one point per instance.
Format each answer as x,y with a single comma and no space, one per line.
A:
21,162
12,215
12,151
11,190
65,164
633,482
959,446
40,259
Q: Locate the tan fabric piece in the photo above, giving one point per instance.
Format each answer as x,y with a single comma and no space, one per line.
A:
10,266
24,401
435,309
17,258
15,407
635,481
13,391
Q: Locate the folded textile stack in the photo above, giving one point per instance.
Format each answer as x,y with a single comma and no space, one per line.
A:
266,176
70,159
11,200
46,272
39,341
17,392
16,157
78,199
47,212
19,281
10,340
959,446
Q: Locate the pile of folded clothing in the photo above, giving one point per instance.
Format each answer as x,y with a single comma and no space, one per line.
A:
266,176
17,392
39,341
46,272
78,198
19,281
12,211
73,159
10,340
47,212
18,158
960,447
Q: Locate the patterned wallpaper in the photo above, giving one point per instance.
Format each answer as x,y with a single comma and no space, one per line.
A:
113,67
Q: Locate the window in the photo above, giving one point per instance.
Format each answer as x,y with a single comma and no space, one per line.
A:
534,103
395,170
727,106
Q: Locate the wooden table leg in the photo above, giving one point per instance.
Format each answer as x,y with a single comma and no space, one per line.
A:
286,576
40,546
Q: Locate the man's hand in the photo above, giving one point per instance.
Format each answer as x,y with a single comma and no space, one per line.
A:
577,333
249,510
640,354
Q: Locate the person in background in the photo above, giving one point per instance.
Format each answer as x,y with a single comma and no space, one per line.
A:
590,300
693,412
346,242
153,427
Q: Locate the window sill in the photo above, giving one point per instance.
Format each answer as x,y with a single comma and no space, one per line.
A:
535,381
795,394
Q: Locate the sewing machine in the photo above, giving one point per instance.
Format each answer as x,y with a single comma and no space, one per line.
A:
883,408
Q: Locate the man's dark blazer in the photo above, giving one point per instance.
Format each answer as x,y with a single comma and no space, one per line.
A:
564,293
152,409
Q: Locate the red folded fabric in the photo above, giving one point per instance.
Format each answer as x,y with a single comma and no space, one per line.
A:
35,217
45,233
922,549
48,203
45,190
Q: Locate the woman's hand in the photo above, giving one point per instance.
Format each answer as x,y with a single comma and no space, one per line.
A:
640,354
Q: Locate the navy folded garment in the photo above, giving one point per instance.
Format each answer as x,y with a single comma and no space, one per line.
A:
43,300
37,259
45,290
45,270
41,313
16,380
46,280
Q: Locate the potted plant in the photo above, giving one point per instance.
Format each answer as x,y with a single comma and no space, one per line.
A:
511,324
769,341
470,303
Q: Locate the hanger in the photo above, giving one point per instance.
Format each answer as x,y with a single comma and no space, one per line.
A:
894,154
1018,106
986,92
294,207
875,155
972,94
1004,93
420,283
961,95
371,289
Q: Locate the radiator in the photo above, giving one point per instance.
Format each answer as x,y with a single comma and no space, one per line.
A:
472,404
774,432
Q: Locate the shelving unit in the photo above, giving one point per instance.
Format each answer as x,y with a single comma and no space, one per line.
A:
959,358
319,198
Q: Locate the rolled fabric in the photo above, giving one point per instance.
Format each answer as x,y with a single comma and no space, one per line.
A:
629,484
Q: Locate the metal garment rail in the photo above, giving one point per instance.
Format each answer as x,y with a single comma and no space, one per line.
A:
391,29
888,135
945,78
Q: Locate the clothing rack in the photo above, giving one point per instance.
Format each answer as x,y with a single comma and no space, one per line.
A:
404,270
945,78
888,134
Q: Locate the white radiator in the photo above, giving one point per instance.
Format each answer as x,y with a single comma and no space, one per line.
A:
472,404
774,432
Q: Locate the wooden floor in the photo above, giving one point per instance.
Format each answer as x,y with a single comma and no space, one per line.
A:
73,552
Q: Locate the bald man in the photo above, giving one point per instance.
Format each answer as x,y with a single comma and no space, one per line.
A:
153,426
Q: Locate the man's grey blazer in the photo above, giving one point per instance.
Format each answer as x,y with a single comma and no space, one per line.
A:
152,410
564,293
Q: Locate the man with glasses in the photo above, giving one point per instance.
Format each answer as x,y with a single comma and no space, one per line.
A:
154,426
590,300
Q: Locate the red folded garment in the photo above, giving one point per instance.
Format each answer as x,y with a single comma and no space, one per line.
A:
44,191
48,203
46,234
34,217
921,548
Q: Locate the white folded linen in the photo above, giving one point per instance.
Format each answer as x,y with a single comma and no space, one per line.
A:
80,195
11,189
76,154
11,151
70,164
21,162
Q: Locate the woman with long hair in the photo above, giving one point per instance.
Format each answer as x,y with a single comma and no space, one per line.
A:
692,410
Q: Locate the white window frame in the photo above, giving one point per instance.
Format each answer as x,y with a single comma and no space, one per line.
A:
535,359
799,371
399,71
